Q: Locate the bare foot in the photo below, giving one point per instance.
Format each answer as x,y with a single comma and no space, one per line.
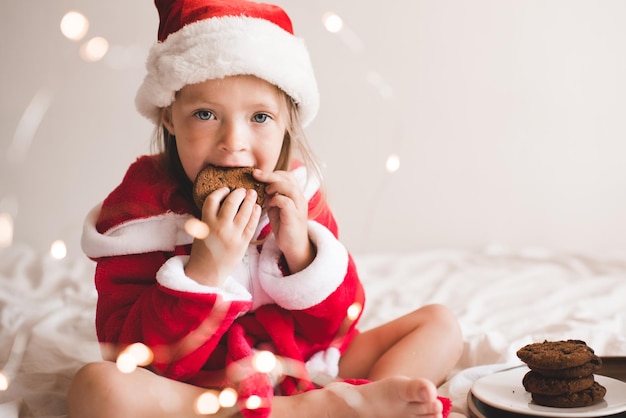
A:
391,397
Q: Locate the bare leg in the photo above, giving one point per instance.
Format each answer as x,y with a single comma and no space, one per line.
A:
426,343
99,390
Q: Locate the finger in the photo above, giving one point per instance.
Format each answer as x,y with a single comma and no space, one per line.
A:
290,208
277,181
253,222
282,209
287,193
230,205
274,217
280,201
282,184
245,209
263,176
214,201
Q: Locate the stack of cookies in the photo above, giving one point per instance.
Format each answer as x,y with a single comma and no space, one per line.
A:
562,373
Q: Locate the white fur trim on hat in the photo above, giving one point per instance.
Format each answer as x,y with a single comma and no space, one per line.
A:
226,46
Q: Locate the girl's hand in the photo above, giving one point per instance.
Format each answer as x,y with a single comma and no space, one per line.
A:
288,211
232,218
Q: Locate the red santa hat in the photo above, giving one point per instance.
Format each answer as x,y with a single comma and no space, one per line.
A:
199,40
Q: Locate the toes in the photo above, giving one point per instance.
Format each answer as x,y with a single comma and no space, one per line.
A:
420,390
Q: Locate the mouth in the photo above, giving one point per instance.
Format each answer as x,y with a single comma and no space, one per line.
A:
227,165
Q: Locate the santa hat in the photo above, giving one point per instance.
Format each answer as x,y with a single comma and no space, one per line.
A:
200,40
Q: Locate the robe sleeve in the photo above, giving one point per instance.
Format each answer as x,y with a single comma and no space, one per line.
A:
182,326
326,298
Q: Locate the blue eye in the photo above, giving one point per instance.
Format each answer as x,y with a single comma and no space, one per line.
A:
204,115
260,118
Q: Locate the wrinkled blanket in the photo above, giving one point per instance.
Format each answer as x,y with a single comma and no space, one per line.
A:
503,300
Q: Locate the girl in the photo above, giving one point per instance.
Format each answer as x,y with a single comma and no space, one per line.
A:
230,85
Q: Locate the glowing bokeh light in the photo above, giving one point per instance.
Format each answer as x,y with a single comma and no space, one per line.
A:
228,398
264,361
74,25
58,250
196,228
126,363
207,403
6,230
4,382
134,355
332,22
393,163
254,402
94,49
354,311
141,353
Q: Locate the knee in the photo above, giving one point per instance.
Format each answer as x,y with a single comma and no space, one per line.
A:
440,314
93,390
446,320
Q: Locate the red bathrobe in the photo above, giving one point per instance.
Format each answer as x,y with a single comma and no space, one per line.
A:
196,332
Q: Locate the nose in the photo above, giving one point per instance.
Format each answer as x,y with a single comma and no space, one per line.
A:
233,137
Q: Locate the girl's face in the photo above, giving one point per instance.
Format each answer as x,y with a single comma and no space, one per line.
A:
237,121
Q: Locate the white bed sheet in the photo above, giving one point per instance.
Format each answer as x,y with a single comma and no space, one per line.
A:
502,299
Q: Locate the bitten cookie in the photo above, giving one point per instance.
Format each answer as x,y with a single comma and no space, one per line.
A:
553,355
585,397
538,384
211,178
586,369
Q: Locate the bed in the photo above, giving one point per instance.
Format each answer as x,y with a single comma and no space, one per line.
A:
503,298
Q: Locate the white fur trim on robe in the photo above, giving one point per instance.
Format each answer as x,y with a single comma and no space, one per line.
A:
172,275
323,366
312,285
156,233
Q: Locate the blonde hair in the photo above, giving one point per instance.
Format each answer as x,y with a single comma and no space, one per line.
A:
295,149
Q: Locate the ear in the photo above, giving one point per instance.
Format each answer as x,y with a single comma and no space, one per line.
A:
166,119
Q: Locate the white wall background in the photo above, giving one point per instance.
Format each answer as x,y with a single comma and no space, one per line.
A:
508,117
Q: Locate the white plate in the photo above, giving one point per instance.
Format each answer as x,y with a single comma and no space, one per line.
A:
505,391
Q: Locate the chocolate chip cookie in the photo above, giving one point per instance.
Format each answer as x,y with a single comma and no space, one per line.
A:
553,355
537,384
586,369
585,397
